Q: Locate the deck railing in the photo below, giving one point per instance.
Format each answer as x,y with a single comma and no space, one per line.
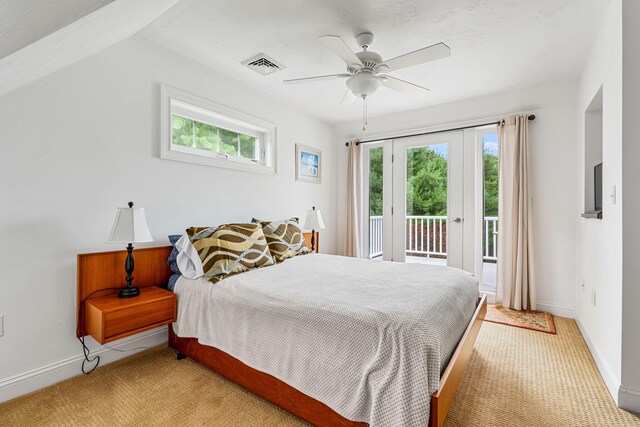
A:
427,236
375,236
490,241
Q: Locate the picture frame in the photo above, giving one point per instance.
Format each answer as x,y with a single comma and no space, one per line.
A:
308,164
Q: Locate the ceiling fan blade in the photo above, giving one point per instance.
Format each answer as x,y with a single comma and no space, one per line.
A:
420,56
316,78
348,98
404,86
340,48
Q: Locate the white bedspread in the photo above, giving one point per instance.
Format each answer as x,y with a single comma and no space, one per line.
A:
367,338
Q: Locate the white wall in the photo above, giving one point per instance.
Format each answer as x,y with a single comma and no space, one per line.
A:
629,396
553,166
82,141
599,242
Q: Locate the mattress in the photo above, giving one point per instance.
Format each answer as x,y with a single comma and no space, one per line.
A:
369,339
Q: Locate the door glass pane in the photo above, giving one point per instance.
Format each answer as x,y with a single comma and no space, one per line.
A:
490,223
426,201
375,203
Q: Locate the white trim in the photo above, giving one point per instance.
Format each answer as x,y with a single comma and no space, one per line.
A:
606,372
45,376
491,295
557,309
629,399
209,112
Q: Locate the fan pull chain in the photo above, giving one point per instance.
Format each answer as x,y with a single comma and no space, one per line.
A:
365,121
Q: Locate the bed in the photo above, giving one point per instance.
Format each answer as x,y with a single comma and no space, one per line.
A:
331,351
368,339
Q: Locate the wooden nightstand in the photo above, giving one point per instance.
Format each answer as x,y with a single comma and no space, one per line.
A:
110,318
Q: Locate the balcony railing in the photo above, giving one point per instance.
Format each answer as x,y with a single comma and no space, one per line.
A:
427,236
375,236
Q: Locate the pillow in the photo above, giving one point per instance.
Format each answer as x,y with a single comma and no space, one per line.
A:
188,260
230,249
172,281
171,261
285,239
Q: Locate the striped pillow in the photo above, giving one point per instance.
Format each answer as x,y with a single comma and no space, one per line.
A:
230,249
285,239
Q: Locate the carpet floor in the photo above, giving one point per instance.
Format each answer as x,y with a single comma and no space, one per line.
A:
515,377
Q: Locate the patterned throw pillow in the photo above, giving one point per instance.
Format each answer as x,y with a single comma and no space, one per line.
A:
285,239
173,256
230,249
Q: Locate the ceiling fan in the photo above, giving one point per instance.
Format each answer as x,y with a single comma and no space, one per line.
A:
365,70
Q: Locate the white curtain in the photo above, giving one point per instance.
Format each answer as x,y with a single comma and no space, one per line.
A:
353,238
515,281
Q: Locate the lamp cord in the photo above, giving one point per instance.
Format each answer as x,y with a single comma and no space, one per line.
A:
85,350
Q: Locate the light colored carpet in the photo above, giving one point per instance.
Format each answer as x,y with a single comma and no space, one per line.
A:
516,377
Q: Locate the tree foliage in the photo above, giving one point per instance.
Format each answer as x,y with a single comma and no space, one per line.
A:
490,184
194,134
426,185
375,181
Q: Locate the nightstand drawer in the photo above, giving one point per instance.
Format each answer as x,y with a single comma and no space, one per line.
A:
121,321
110,318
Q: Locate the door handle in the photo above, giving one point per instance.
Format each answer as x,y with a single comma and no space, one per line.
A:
457,220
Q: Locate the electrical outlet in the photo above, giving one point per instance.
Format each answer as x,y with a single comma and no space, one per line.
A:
1,325
593,297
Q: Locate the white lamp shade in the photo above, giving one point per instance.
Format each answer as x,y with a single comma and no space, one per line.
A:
314,220
130,226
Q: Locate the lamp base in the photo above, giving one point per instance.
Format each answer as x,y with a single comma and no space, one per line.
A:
129,292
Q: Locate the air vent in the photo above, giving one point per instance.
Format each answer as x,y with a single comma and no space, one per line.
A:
263,64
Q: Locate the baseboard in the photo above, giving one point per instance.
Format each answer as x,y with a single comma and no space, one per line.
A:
629,399
557,310
36,379
491,295
606,372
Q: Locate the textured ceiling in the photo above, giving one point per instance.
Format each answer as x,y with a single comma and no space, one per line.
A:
22,22
497,45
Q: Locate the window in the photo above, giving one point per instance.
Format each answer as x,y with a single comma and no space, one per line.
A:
195,130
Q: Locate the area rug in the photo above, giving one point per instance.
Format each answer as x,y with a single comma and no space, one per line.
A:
534,320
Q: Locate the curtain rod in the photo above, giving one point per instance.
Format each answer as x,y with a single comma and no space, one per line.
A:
530,117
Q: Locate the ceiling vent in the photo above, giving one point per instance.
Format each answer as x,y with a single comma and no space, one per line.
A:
263,64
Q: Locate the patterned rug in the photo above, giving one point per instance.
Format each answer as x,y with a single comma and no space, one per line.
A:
534,320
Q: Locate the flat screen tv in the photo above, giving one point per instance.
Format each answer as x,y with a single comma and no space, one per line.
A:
597,190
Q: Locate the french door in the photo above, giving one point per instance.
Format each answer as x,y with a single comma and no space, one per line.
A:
415,196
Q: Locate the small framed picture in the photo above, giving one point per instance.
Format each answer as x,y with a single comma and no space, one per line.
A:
308,164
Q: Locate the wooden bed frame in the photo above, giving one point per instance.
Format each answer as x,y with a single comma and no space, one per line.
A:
104,270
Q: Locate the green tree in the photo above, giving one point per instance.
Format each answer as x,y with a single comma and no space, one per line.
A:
490,184
426,182
375,181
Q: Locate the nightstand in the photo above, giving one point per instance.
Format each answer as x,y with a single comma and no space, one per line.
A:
110,318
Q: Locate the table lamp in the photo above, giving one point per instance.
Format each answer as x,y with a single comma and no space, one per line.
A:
130,227
314,222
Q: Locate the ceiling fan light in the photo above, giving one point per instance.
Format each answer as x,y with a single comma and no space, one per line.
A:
363,84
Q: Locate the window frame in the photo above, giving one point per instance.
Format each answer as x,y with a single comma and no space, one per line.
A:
191,107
